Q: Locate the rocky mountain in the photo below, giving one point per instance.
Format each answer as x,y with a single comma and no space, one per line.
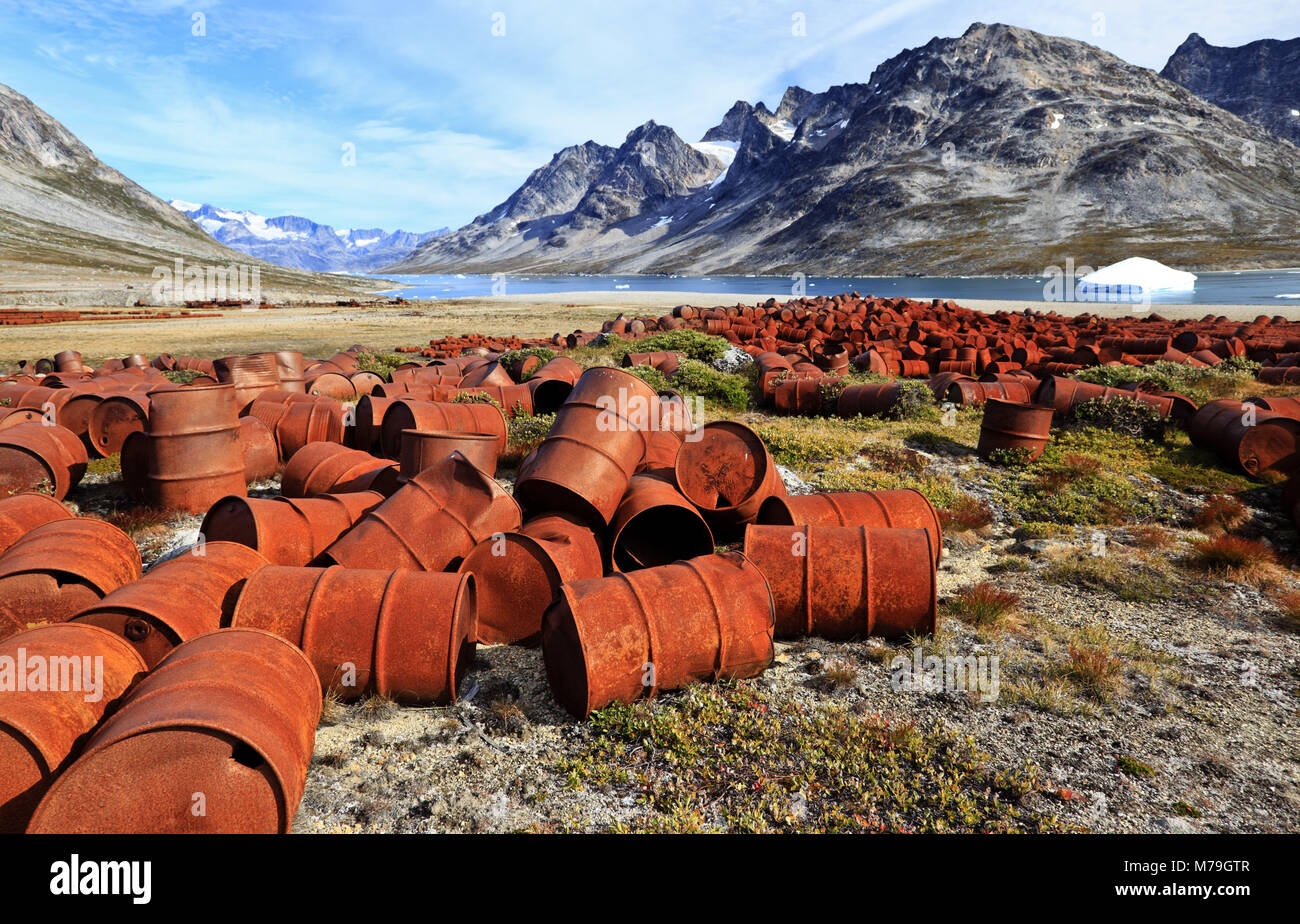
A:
1259,82
72,225
1002,150
289,240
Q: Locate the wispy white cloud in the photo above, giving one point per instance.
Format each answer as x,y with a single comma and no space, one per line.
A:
447,117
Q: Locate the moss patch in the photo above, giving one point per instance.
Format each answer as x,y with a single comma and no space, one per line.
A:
728,758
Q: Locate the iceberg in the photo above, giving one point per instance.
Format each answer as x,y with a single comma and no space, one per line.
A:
1138,275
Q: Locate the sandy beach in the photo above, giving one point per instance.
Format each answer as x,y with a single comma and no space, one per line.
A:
320,329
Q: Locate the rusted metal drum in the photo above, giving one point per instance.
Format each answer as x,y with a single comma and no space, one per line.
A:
906,508
120,413
249,375
1250,438
967,393
62,567
369,422
487,374
289,370
85,672
406,635
193,450
660,456
331,385
423,448
628,636
330,468
261,457
598,439
14,416
1064,395
316,420
655,525
867,399
440,416
22,513
518,575
514,400
287,531
522,365
1011,425
176,600
727,473
68,361
552,384
365,383
430,523
842,582
42,458
800,396
215,740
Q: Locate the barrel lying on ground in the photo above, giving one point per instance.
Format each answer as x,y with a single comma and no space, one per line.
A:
627,636
406,635
215,740
83,672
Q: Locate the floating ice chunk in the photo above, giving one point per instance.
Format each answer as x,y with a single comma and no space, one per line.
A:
1138,274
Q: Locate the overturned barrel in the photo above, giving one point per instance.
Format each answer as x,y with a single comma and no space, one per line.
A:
727,473
905,508
79,673
430,523
60,568
519,574
655,525
287,530
1008,425
628,636
842,582
406,635
215,740
177,600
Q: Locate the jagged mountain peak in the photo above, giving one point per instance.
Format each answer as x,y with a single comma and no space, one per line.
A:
1259,81
999,150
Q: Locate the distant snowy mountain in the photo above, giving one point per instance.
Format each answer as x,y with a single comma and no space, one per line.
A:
290,240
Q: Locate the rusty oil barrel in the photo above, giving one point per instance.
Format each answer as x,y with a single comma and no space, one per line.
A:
905,508
518,575
330,468
176,600
120,413
405,635
41,728
430,523
62,567
226,724
194,456
1011,425
727,473
598,439
42,458
442,416
286,530
1253,440
423,448
22,513
655,525
257,446
841,582
628,636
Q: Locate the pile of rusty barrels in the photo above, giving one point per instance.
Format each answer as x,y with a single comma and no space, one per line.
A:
642,552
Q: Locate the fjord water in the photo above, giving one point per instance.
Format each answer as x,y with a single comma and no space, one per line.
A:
1278,289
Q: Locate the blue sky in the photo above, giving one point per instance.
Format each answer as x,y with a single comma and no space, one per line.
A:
448,118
